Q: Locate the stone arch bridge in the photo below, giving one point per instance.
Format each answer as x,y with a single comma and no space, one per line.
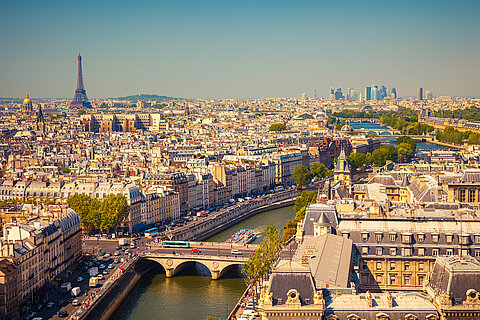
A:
217,257
217,266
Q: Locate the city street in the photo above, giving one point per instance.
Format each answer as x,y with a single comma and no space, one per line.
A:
63,301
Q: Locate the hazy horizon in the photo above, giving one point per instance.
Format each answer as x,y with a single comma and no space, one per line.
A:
245,49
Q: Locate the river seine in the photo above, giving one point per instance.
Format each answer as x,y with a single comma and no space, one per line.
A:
192,294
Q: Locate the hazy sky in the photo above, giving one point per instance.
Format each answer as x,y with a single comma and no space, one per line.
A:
238,49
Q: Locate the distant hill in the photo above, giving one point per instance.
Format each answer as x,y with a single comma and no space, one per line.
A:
146,97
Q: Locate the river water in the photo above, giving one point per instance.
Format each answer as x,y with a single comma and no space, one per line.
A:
192,294
393,140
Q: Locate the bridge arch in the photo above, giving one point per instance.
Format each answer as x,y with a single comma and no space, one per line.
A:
191,264
228,268
384,133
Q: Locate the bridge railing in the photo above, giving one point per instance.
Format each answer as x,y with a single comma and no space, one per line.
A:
194,256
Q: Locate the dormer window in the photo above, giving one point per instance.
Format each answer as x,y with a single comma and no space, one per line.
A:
392,236
449,237
378,236
465,239
406,238
364,236
421,237
435,237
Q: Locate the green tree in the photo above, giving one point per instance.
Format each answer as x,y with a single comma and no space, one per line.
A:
99,214
339,125
65,170
81,112
302,176
213,318
382,154
259,264
358,161
277,127
319,170
305,198
82,204
113,210
271,245
407,140
405,152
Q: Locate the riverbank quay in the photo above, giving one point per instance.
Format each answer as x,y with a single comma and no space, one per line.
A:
219,221
104,301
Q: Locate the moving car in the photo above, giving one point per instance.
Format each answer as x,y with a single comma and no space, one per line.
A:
79,279
195,250
75,302
235,251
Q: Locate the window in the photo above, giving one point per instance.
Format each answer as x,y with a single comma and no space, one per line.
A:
365,265
406,238
420,280
420,266
421,251
378,278
471,195
434,252
364,236
435,237
364,250
378,237
393,251
477,238
406,266
449,237
393,237
406,280
379,265
379,251
449,252
392,280
406,252
392,265
465,252
465,239
346,235
461,195
421,237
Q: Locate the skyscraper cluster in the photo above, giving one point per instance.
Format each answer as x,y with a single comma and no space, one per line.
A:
349,95
370,93
379,93
421,96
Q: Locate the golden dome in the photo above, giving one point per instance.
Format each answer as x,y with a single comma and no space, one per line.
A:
27,100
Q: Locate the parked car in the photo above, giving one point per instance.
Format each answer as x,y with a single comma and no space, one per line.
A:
75,302
110,266
79,279
50,305
62,313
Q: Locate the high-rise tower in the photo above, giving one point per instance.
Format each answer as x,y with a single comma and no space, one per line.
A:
80,99
420,93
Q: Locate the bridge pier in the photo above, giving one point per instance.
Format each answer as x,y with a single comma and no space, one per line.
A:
215,274
169,272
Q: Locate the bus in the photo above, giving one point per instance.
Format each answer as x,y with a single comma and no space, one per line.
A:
151,232
176,244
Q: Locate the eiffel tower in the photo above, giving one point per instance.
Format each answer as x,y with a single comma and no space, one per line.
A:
80,99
